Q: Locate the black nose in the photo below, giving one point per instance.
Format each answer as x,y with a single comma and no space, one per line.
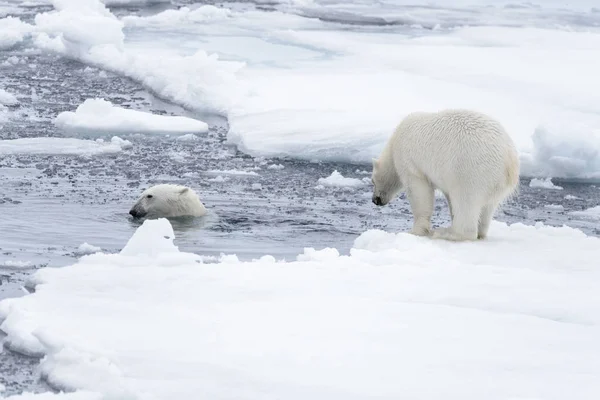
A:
377,201
133,213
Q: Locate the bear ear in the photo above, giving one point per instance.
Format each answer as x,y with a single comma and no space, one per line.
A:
183,191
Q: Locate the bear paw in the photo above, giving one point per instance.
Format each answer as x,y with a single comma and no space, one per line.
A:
420,231
449,234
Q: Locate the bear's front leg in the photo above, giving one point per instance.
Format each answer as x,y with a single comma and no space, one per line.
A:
421,197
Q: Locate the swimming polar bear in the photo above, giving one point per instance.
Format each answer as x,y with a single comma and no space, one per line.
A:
465,154
167,200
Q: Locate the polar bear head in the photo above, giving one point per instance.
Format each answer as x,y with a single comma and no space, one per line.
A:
386,183
167,200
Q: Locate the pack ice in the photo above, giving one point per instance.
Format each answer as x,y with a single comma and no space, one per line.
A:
513,317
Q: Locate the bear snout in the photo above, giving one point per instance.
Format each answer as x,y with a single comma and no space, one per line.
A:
135,213
377,201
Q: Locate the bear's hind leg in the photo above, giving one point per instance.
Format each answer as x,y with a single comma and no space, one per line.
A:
449,206
485,218
421,196
465,220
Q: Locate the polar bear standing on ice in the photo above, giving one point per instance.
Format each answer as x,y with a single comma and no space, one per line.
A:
167,200
465,154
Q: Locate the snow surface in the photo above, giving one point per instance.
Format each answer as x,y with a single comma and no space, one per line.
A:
512,317
544,184
62,146
532,67
338,180
101,115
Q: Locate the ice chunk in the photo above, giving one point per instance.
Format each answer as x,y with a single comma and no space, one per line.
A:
7,99
338,180
62,146
189,137
86,248
80,395
557,207
77,26
567,150
544,184
12,31
183,15
276,166
152,238
218,179
237,172
15,264
101,115
591,213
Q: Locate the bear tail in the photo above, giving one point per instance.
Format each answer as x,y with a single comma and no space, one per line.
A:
512,173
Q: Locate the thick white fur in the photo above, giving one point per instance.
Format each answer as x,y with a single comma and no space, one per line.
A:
465,154
167,200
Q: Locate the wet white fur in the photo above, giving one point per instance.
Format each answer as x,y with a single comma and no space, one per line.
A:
465,154
170,201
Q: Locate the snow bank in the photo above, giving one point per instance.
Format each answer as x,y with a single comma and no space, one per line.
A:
7,99
396,314
294,86
101,115
62,146
338,180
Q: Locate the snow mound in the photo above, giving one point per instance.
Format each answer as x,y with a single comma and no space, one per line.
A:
338,180
63,146
515,310
544,184
101,115
7,99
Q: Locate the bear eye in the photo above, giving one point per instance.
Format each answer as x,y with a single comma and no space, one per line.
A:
149,196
